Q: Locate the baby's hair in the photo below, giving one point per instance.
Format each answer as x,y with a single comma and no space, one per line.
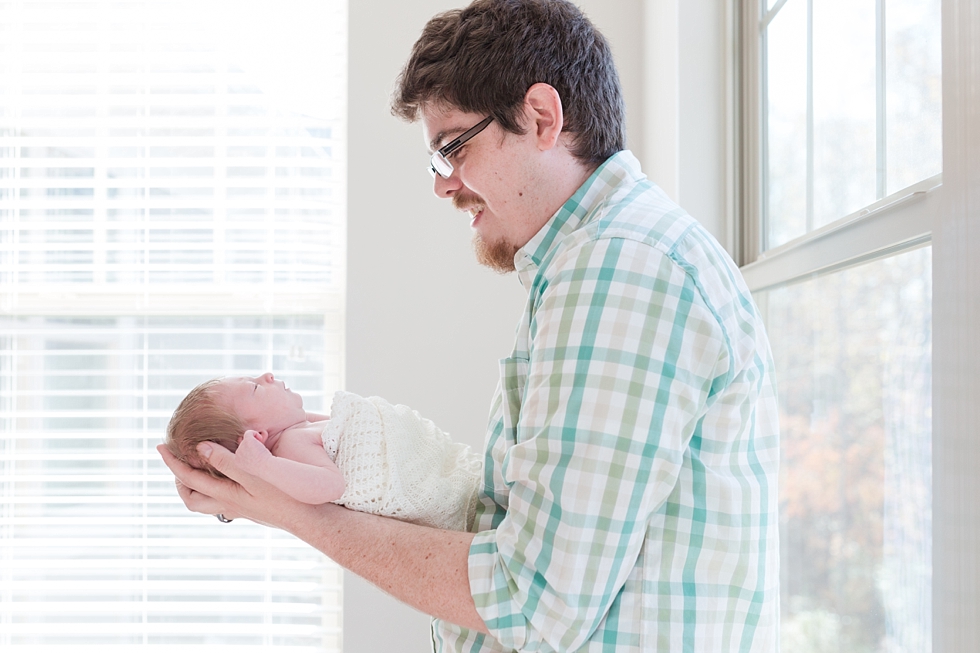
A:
200,417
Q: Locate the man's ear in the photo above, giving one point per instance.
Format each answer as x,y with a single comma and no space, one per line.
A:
543,113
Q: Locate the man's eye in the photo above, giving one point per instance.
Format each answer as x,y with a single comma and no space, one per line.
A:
452,155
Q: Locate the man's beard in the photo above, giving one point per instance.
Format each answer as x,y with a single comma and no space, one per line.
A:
498,256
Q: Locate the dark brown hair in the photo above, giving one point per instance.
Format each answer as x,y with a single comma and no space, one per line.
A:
200,417
483,59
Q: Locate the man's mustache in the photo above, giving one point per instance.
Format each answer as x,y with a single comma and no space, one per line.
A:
463,201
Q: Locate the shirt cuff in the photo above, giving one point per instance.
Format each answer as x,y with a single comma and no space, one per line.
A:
495,593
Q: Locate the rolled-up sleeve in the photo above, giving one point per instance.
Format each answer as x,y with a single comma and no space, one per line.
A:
623,353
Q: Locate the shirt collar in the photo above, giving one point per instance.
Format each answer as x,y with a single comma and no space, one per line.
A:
577,211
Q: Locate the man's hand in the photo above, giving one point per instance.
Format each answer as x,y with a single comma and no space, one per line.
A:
424,567
240,495
194,486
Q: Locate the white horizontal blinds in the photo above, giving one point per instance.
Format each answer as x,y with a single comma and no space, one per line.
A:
171,209
137,152
96,550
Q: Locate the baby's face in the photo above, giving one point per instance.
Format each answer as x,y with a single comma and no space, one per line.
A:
263,403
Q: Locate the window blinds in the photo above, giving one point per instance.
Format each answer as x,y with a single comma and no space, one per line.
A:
170,211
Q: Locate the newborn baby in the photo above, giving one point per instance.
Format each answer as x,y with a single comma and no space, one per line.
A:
368,455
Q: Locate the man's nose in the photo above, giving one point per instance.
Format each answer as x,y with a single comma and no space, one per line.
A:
446,188
267,377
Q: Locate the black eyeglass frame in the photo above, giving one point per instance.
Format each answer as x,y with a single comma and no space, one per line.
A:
439,163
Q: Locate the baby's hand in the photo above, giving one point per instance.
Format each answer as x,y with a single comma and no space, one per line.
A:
251,452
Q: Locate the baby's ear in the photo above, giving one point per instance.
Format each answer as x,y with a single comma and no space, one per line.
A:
258,435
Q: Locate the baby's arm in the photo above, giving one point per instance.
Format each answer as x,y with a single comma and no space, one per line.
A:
302,469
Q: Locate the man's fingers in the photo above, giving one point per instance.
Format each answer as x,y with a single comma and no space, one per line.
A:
199,491
192,478
222,460
202,503
239,495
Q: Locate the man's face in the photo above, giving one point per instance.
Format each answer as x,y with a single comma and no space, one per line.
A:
494,181
262,402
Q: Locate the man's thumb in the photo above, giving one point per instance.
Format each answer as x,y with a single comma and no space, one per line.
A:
217,456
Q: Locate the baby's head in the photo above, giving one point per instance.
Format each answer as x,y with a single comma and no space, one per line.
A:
204,415
221,410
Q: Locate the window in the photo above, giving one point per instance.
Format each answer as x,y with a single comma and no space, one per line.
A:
171,209
843,132
852,108
852,352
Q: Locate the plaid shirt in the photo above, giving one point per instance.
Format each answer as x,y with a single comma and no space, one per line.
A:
632,451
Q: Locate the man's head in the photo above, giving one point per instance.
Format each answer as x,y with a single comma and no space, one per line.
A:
484,58
544,75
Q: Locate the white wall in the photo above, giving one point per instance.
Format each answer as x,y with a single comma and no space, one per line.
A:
425,324
683,90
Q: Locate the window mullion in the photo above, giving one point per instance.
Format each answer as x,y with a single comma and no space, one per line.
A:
893,224
772,13
809,117
752,156
881,115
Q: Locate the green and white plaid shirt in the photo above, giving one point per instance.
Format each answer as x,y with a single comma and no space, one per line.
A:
632,451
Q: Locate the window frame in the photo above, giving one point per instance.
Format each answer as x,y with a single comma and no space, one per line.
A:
895,223
948,226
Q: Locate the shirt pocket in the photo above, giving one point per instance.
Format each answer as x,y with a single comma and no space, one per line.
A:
513,376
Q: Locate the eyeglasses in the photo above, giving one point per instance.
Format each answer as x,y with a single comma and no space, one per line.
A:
439,163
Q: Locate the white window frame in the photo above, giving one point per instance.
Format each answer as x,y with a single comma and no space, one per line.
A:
940,211
897,222
956,353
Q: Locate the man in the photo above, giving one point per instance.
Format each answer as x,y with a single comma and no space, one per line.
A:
631,455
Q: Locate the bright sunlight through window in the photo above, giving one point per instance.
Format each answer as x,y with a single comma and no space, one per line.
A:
172,209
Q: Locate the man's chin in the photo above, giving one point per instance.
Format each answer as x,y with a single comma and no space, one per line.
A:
498,256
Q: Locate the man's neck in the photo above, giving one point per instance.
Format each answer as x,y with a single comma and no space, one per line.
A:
563,175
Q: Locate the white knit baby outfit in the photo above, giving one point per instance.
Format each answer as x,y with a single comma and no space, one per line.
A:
397,464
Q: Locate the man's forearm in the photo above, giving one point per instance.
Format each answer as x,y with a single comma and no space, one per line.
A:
424,567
